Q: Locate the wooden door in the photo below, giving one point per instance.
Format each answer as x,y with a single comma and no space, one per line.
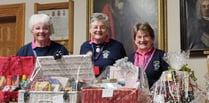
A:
12,28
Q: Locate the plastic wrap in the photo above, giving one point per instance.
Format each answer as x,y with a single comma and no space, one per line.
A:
177,85
125,74
207,79
121,78
71,72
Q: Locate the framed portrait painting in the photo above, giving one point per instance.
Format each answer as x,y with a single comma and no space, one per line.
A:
195,26
124,14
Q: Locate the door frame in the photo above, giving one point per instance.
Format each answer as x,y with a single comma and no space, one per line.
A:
17,10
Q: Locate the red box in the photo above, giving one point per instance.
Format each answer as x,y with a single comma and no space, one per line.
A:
126,95
6,96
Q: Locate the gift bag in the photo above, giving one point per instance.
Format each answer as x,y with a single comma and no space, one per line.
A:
3,64
11,69
14,68
22,65
17,65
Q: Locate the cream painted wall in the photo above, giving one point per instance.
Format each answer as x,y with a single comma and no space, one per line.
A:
197,64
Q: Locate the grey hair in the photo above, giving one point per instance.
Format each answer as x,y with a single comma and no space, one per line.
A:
198,8
40,18
100,17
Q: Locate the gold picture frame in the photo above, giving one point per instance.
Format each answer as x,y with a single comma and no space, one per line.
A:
161,6
63,19
194,28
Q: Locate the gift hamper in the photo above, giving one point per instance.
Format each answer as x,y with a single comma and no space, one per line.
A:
178,83
58,80
121,83
13,70
207,79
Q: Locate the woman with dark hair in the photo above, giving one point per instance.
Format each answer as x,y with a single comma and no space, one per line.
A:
147,57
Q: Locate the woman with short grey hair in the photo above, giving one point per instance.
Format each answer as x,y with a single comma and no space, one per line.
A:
103,50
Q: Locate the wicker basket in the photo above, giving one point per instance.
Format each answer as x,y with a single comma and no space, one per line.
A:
78,67
47,96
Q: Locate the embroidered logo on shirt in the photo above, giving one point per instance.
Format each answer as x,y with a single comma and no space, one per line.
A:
105,54
156,65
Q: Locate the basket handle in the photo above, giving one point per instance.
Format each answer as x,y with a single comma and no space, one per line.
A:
45,100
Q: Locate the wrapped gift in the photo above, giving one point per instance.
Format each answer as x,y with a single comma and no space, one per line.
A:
58,80
71,71
125,95
177,84
121,83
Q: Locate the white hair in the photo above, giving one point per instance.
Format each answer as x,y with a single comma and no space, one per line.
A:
40,18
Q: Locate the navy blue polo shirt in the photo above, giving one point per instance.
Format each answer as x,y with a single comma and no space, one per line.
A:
50,50
108,54
155,67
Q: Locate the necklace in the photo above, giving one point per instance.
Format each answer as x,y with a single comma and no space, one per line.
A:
97,49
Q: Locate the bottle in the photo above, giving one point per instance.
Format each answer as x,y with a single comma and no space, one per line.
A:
23,81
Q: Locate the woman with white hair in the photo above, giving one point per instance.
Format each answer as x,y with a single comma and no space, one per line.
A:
41,27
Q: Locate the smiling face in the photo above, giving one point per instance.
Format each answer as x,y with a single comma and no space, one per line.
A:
41,32
99,31
143,40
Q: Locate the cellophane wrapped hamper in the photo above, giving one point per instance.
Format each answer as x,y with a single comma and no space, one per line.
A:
121,83
177,84
58,80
